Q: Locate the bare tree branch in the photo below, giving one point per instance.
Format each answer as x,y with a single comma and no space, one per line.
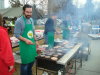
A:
27,1
15,3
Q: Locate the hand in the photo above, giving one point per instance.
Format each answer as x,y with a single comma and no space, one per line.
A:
11,68
37,43
29,42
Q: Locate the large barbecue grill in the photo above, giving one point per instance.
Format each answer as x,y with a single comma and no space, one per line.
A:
58,57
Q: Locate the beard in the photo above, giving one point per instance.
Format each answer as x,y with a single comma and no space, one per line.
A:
28,16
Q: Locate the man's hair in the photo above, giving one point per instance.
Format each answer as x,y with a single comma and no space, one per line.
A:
26,6
1,20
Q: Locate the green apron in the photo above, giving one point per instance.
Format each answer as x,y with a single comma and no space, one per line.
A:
66,32
28,52
50,36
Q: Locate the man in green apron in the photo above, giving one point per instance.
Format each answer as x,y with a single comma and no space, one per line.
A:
66,31
65,28
24,31
49,31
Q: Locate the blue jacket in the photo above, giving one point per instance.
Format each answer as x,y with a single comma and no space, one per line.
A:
49,26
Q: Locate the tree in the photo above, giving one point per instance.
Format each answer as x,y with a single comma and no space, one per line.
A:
15,3
55,5
25,1
41,4
89,9
18,3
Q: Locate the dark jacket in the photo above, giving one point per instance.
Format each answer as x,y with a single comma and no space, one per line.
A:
49,26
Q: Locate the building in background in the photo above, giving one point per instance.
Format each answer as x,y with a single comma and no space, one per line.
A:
1,4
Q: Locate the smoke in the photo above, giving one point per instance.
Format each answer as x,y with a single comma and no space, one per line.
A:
79,11
83,9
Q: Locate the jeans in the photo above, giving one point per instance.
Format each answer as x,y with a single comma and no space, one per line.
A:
26,69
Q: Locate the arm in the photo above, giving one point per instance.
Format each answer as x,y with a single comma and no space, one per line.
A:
25,40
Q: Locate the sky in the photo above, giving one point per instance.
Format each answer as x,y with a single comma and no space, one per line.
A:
6,3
